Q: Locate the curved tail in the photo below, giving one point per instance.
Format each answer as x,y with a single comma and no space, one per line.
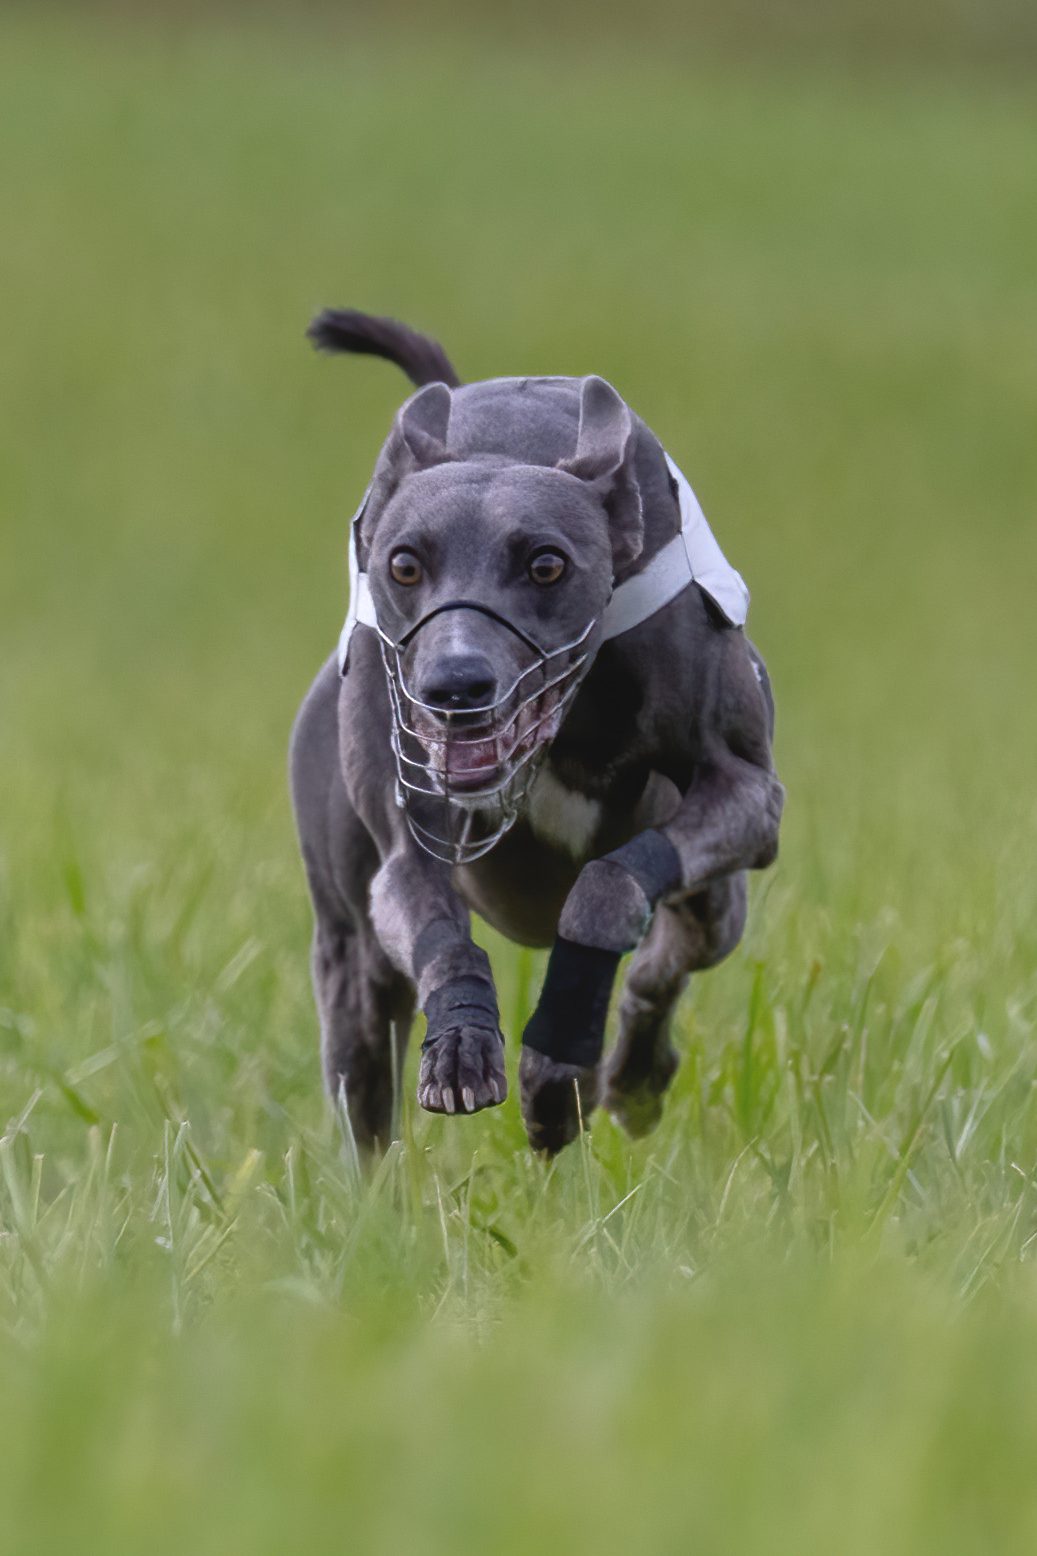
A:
423,360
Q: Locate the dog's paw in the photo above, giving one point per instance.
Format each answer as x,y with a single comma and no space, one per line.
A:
462,1071
633,1095
556,1099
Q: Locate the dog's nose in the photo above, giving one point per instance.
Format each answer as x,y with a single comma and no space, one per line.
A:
459,682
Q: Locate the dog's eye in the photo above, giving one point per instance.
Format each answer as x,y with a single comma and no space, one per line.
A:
546,567
405,567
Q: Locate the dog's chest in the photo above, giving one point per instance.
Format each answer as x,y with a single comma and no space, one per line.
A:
562,817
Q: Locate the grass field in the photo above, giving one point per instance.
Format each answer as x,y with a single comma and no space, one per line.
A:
802,1316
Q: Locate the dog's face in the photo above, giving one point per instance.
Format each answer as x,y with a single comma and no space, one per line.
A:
491,577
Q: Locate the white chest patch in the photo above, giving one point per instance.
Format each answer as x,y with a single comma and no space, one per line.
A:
563,817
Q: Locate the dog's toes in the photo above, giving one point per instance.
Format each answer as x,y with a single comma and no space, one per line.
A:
462,1070
556,1100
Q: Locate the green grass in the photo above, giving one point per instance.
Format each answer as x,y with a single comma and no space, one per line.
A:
803,1315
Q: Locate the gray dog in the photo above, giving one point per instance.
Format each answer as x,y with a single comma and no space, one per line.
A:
544,708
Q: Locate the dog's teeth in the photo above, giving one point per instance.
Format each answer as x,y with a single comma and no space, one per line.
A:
468,1098
448,1099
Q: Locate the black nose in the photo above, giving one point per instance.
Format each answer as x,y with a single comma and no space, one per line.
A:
459,682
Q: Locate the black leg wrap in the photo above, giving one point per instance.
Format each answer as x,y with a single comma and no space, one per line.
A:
463,1002
568,1024
654,863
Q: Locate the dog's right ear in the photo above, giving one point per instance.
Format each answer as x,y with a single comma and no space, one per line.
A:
417,442
420,428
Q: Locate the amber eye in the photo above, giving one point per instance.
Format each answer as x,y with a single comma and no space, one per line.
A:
405,567
546,567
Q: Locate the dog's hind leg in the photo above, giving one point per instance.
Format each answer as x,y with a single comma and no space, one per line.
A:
365,1010
686,936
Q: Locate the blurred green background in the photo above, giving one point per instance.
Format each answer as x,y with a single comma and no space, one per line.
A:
800,240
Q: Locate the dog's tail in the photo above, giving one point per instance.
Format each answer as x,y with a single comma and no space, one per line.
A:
423,360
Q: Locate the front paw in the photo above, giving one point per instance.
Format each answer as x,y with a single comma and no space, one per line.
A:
462,1070
556,1099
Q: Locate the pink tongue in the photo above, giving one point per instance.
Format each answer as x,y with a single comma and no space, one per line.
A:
470,758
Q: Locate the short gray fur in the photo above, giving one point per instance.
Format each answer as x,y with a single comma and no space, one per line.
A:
670,730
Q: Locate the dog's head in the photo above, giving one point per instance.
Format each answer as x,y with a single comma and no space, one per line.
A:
489,577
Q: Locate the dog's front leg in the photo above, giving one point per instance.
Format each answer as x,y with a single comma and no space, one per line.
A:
726,822
424,927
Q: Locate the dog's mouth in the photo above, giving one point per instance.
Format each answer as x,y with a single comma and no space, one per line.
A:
473,759
463,775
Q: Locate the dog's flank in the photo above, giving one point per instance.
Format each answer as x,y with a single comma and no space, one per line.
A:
422,359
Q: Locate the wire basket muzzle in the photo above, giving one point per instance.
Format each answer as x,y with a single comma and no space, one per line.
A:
462,776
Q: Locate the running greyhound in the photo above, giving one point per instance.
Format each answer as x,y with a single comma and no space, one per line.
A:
543,707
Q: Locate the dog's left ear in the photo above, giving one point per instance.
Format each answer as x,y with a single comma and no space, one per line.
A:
417,441
604,458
